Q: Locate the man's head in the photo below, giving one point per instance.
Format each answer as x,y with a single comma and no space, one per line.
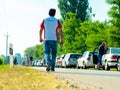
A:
104,43
52,12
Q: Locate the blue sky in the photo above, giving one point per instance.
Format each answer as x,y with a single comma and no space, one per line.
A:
21,19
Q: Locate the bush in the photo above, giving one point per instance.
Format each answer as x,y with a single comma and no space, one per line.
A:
1,61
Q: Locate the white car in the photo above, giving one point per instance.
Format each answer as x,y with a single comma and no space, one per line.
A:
110,58
118,64
59,60
87,59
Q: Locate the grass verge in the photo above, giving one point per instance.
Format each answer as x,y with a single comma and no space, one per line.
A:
23,78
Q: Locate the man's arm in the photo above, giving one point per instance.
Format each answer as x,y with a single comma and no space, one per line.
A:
61,36
61,33
41,31
40,34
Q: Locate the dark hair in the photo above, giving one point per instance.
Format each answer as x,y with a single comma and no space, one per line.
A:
52,12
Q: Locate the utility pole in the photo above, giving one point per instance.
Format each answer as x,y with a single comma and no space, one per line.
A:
6,61
7,44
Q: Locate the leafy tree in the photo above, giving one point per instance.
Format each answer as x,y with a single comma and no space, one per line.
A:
1,61
79,7
114,13
38,51
82,36
70,26
29,51
35,51
93,34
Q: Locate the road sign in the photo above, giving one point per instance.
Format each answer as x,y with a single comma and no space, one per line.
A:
11,54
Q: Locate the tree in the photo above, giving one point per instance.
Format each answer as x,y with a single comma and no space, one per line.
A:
1,60
81,36
70,26
93,34
35,51
79,7
114,13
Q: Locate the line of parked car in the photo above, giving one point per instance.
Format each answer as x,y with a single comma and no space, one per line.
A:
39,63
111,59
89,59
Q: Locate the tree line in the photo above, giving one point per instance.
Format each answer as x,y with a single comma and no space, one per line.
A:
81,33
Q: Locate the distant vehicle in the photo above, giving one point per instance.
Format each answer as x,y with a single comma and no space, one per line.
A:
39,63
111,58
43,62
87,59
34,62
59,60
70,59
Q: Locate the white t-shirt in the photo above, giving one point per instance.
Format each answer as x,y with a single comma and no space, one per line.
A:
50,26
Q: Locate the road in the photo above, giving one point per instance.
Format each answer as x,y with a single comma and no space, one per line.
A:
89,79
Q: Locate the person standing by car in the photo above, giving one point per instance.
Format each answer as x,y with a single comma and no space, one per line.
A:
101,51
31,60
15,61
51,26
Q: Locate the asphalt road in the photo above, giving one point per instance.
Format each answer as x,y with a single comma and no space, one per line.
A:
89,79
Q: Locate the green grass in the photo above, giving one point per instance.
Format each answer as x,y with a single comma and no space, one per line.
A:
23,78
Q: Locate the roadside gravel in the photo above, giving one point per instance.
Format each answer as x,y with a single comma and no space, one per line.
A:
78,81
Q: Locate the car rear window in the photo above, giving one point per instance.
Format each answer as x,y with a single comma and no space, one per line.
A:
75,55
115,50
62,56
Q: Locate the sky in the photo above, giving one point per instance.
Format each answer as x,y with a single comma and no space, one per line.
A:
21,20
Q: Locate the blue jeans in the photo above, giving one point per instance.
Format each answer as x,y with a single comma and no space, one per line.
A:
50,51
99,58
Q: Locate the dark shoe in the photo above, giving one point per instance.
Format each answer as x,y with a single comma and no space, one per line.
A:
52,70
48,66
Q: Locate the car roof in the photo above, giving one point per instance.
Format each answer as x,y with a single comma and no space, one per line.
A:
113,47
73,53
88,51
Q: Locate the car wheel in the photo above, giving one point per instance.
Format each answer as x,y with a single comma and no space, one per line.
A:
118,64
84,65
106,66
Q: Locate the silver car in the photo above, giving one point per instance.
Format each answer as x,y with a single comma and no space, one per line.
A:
87,59
70,59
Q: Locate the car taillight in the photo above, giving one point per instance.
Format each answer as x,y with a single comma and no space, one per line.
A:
88,58
114,57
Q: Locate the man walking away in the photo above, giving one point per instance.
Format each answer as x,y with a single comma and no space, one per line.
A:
51,26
